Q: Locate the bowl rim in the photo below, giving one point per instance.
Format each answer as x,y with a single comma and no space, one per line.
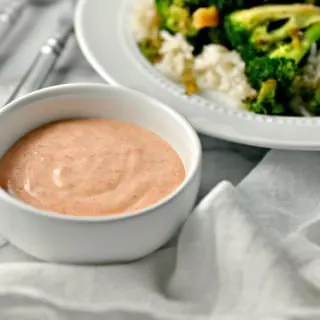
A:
72,89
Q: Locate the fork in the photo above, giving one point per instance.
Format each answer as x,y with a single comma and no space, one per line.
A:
46,59
42,66
13,11
10,15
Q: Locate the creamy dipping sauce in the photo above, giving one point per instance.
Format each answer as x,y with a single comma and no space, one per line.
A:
91,167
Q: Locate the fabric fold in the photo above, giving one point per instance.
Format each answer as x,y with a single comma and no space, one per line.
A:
224,265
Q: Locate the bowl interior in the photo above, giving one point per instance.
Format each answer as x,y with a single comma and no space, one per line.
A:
78,101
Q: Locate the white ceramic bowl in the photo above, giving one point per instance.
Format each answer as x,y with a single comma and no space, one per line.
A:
54,237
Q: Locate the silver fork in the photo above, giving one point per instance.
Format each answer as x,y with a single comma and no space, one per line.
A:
42,66
12,12
46,59
9,15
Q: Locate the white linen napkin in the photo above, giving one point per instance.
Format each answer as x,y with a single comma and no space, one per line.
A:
246,252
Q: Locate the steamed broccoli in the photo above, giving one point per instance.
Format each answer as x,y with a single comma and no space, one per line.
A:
265,102
274,40
150,49
175,17
178,15
282,64
227,6
200,25
282,69
300,44
255,32
189,17
162,7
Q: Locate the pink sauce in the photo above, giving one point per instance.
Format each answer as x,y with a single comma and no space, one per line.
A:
91,167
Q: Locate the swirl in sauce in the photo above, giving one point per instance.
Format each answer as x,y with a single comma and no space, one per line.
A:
91,167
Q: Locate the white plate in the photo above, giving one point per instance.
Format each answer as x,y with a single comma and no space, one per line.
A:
103,31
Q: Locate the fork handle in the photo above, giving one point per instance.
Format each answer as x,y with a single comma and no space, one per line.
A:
43,64
10,15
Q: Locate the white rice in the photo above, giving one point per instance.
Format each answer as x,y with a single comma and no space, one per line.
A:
177,55
216,68
311,72
219,69
143,20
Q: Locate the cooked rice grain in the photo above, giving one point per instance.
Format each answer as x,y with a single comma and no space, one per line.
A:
176,55
217,68
311,71
145,21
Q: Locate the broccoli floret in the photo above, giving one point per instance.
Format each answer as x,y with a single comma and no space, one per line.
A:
282,60
162,7
282,64
300,44
281,69
255,32
180,20
266,102
150,49
227,6
198,25
175,17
